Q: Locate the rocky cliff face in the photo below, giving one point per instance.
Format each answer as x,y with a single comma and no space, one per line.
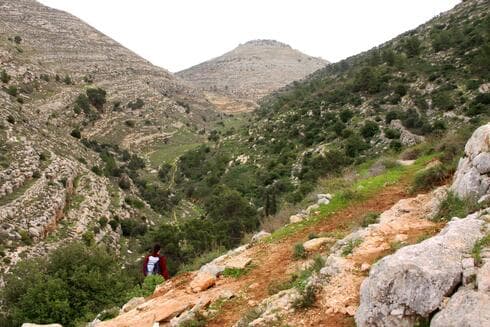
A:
252,70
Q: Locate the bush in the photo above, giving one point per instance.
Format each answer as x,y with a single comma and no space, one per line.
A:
392,133
132,227
148,287
17,39
452,206
354,145
76,133
138,104
369,129
70,286
369,218
130,123
350,246
443,100
411,46
4,77
428,178
12,90
97,97
299,251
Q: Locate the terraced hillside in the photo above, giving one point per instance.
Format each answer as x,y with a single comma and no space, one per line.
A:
63,82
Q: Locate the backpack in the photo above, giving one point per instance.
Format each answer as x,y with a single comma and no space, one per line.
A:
156,268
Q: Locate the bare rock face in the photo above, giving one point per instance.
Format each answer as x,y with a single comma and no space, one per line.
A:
472,178
467,307
415,280
202,281
252,70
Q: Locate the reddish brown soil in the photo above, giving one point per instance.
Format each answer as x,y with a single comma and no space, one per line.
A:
274,261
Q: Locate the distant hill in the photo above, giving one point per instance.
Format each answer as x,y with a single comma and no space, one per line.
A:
252,70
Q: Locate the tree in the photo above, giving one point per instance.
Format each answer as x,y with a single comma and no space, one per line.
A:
232,215
97,97
76,133
369,129
17,39
411,46
71,285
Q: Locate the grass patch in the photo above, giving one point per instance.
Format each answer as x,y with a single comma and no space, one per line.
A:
177,144
428,178
236,272
478,247
249,316
359,191
453,206
299,251
350,246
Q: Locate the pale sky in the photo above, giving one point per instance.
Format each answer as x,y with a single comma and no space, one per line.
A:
177,34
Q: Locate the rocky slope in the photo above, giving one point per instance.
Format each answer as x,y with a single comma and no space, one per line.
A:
390,273
252,70
51,190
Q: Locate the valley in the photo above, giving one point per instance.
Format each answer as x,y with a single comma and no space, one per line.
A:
281,187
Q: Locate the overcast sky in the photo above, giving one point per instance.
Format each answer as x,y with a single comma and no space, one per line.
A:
176,34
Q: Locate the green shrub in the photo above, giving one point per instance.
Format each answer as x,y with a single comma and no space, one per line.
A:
369,129
130,123
76,133
428,178
443,100
234,272
478,247
453,206
70,286
17,39
103,222
4,77
299,251
369,218
12,90
392,133
307,298
97,97
411,46
67,80
138,104
148,287
350,246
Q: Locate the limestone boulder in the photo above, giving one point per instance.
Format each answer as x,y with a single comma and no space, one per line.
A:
296,218
316,243
202,281
415,280
466,307
472,179
260,236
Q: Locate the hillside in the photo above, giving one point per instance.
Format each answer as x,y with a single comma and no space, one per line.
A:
351,158
66,91
252,70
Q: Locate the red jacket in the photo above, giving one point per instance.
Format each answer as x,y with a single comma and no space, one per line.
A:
163,266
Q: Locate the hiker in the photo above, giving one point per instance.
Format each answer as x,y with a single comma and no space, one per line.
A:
155,263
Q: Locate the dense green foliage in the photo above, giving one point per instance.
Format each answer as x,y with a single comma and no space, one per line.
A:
71,285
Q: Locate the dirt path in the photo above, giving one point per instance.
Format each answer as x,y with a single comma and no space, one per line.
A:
274,262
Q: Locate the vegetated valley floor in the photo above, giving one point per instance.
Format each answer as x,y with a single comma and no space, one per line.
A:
273,261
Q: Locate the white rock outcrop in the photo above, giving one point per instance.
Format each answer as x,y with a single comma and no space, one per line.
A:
415,280
472,178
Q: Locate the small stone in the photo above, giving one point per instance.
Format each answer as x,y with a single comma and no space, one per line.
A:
259,236
132,304
365,266
323,201
483,278
296,219
316,243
